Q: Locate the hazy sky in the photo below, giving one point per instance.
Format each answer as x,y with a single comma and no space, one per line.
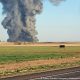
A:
55,23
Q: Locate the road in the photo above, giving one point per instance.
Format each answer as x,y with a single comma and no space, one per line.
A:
63,74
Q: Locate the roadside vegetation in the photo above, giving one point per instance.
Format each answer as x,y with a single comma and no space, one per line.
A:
19,54
37,69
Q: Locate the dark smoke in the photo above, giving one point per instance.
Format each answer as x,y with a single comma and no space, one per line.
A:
20,18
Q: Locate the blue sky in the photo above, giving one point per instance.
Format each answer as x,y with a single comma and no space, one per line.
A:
55,23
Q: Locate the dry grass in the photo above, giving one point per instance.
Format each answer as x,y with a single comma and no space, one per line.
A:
16,59
14,66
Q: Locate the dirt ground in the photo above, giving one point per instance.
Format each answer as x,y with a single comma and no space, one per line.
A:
14,66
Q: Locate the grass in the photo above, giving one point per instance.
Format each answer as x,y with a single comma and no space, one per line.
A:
25,53
11,54
36,69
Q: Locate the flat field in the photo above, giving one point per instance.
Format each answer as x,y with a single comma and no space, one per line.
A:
20,59
27,53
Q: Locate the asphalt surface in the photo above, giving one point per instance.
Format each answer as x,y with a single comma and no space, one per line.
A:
63,74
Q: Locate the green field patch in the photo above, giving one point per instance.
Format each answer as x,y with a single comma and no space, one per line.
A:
26,53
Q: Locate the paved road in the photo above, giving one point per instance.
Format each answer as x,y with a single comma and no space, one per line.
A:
64,74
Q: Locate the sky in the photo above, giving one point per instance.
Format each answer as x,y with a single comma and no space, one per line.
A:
56,23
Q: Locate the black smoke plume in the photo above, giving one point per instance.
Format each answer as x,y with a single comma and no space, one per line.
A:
20,18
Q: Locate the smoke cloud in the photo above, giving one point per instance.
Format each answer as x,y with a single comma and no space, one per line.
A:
20,18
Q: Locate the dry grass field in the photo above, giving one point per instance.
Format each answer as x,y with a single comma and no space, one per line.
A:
20,58
39,44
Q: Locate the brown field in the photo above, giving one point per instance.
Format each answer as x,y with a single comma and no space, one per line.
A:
19,65
39,44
